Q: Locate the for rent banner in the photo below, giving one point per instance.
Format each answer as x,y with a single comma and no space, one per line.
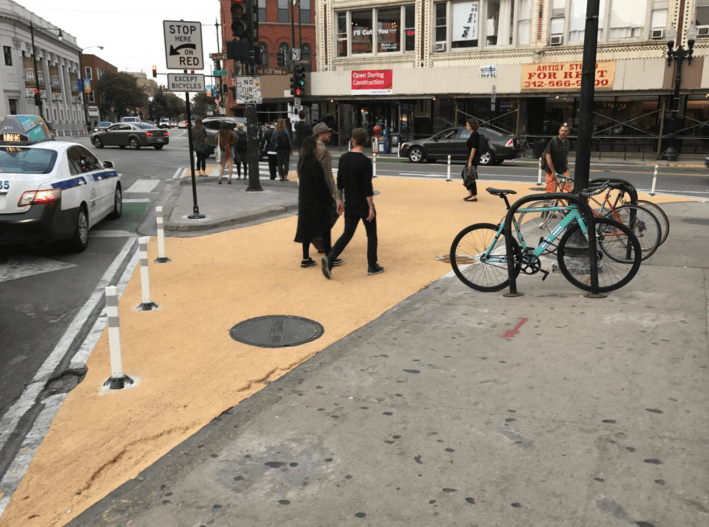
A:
55,83
372,82
564,76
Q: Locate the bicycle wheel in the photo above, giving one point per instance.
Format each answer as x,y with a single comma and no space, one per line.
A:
479,257
644,225
660,215
612,238
536,225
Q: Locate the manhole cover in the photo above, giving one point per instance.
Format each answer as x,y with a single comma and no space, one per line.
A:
278,331
698,221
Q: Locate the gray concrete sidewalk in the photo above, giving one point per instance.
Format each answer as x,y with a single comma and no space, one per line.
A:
463,408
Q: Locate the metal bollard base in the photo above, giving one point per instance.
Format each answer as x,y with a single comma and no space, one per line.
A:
512,295
118,383
196,216
147,306
598,295
162,259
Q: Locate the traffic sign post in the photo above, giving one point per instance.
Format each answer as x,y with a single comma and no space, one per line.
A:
183,45
185,82
248,90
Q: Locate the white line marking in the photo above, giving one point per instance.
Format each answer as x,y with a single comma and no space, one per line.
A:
137,200
143,186
176,175
9,421
111,234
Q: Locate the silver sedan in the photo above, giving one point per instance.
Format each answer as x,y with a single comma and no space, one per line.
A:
133,135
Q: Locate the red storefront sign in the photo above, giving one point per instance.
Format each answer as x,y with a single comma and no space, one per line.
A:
372,82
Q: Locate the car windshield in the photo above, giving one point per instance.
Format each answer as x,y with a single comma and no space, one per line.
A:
145,126
14,160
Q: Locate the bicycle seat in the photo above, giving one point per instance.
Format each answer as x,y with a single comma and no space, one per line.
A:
500,192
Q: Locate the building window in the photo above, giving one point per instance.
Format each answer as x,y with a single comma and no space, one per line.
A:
617,19
702,14
307,55
91,97
524,22
441,23
262,13
264,53
283,11
342,34
304,16
627,19
499,23
8,55
286,51
410,28
87,73
376,31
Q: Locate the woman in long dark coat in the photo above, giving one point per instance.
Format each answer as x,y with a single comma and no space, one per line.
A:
314,201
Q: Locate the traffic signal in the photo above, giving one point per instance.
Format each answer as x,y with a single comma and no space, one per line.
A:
281,57
292,84
299,77
254,21
239,18
37,98
155,72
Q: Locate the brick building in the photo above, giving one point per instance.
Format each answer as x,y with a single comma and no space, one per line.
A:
94,68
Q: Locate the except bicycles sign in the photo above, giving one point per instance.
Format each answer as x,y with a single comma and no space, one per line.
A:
564,76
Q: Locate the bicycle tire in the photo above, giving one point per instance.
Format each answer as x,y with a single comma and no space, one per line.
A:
612,237
537,225
465,256
644,225
660,215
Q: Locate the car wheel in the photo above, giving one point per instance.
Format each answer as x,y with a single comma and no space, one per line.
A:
98,143
134,143
416,155
158,147
80,240
117,204
488,158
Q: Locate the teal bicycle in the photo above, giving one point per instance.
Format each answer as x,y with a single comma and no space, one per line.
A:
479,254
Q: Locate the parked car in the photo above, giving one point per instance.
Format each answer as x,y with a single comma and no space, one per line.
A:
452,142
182,124
212,125
103,125
134,135
164,123
49,190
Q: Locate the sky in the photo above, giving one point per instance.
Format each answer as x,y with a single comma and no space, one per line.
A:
130,31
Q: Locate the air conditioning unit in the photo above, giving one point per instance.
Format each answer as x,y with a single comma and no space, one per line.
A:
657,34
440,46
556,40
703,31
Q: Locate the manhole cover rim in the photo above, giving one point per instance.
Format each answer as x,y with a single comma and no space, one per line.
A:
317,331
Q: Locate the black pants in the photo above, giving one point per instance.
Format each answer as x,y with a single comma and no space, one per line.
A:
283,160
241,160
201,161
326,240
273,165
351,223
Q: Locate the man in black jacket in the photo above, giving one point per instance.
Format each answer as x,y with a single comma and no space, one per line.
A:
354,179
302,130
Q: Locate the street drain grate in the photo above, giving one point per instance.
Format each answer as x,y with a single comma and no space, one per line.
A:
276,331
698,221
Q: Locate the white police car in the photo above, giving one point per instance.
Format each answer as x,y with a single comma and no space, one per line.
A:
51,190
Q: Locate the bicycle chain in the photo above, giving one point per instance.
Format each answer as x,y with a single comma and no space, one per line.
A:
592,191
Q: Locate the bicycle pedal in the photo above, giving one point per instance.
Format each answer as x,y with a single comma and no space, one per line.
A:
545,273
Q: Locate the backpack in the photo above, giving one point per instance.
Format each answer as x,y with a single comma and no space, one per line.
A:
242,143
483,146
282,141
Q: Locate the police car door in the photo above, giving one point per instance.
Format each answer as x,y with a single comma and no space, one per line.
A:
91,191
105,179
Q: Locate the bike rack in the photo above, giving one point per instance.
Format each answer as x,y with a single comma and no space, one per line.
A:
586,213
620,184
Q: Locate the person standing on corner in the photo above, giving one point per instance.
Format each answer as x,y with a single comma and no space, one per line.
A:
354,179
314,200
284,146
241,151
226,139
268,143
556,155
473,143
302,130
199,139
322,135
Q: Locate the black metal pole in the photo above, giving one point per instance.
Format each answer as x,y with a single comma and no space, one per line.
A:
588,79
672,152
195,210
38,99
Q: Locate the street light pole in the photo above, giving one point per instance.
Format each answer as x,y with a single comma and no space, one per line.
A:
679,54
60,36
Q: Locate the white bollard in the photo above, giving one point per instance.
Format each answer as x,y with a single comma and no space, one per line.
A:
161,237
654,181
147,305
449,169
118,380
539,175
374,165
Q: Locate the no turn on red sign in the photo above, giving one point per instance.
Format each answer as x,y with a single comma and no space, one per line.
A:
183,45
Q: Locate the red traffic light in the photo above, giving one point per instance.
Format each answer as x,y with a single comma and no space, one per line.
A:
155,71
